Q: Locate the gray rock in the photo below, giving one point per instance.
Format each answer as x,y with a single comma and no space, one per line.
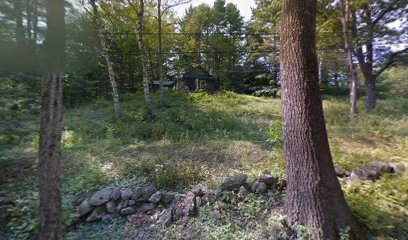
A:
340,172
115,195
136,193
268,179
167,197
167,217
243,192
96,214
205,200
354,177
381,166
233,183
125,194
100,197
397,168
84,208
146,207
227,197
132,202
147,193
125,203
198,202
156,197
111,206
120,205
259,187
127,211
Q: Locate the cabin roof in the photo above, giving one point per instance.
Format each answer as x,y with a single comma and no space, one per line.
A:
198,73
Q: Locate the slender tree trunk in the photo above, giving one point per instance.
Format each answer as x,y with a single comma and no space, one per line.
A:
35,24
353,84
320,56
366,62
50,124
105,51
146,92
314,195
18,14
159,14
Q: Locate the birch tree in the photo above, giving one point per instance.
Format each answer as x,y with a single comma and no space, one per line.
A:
105,52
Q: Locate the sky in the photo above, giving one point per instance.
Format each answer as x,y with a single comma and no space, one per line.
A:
244,6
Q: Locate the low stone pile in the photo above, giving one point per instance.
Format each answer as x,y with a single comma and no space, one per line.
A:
111,202
371,171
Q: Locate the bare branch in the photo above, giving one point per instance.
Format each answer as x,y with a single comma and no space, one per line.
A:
391,60
177,3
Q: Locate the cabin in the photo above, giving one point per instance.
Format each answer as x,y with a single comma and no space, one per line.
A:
166,84
198,79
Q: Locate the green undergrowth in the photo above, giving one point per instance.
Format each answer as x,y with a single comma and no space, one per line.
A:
202,138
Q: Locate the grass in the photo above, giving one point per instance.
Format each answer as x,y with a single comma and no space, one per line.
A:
201,138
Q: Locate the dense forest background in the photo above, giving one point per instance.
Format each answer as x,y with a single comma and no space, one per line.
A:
193,137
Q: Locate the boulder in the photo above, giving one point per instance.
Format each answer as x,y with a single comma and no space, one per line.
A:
115,195
198,202
259,187
156,197
146,207
381,166
132,202
96,214
125,194
147,193
397,168
136,193
340,172
128,211
100,197
120,205
84,208
233,183
111,206
243,192
167,197
268,179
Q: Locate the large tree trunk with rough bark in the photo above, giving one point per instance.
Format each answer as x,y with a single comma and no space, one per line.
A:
50,124
105,51
146,92
352,74
314,195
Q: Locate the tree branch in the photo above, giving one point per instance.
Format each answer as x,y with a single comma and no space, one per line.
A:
391,60
179,2
385,11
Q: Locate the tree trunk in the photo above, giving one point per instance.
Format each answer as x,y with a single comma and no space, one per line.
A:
353,84
18,13
159,14
146,92
314,195
50,125
366,62
105,52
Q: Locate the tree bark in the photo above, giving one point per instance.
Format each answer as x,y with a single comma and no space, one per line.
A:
314,195
366,62
50,124
353,84
105,53
146,91
160,62
18,14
